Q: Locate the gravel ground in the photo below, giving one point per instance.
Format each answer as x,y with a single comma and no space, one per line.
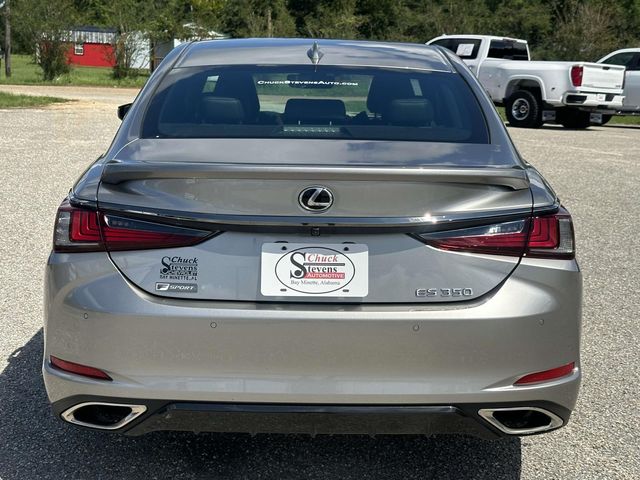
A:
596,172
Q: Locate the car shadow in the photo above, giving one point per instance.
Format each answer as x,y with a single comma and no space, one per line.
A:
36,445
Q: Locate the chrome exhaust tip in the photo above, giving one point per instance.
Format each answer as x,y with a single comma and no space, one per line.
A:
102,415
521,420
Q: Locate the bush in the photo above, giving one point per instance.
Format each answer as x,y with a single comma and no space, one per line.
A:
52,58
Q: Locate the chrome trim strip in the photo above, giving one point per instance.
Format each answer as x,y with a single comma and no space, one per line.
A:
554,420
429,223
425,224
136,411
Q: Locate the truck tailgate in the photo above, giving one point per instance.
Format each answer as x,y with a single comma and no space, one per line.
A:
603,77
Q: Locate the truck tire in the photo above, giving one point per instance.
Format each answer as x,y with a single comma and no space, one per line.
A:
605,119
576,119
524,109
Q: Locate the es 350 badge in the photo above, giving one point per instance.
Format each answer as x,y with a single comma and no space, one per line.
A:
335,270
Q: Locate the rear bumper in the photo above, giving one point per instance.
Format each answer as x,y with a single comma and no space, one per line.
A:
601,101
164,351
314,419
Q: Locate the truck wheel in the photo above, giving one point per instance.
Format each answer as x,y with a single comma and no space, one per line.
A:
576,119
523,109
605,119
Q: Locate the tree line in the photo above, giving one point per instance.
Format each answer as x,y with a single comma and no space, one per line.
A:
555,29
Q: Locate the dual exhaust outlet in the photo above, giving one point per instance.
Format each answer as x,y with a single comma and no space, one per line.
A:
102,415
521,420
509,420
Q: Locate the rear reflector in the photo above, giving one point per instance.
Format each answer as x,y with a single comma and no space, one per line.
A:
549,236
85,230
576,75
78,369
547,375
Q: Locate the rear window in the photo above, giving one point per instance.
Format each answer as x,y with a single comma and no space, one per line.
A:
465,48
625,59
305,102
508,49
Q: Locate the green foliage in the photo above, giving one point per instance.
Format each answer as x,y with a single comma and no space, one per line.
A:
52,58
44,33
27,72
257,18
330,19
555,29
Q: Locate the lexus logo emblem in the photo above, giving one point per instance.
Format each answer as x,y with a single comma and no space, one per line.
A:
316,199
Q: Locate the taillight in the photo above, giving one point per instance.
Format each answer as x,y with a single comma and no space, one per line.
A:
549,236
86,230
576,75
509,238
552,236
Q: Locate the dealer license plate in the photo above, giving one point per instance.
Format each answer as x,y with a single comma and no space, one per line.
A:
303,270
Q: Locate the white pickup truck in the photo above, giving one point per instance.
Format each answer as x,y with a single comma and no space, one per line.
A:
570,93
630,59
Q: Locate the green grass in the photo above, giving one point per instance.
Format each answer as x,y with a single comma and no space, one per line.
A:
10,100
25,72
617,120
629,120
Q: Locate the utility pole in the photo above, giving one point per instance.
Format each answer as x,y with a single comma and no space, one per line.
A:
7,38
269,23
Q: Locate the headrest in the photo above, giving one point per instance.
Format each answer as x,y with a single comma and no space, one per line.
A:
384,89
306,110
410,112
239,85
222,110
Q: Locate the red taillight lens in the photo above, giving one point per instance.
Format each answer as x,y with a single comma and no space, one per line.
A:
552,237
126,234
549,236
576,75
85,230
509,238
78,369
547,375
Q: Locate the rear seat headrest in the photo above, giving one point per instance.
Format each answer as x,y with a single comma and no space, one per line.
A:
410,112
305,110
222,110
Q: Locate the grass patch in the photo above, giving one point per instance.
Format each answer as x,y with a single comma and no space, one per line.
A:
10,100
615,120
628,120
26,72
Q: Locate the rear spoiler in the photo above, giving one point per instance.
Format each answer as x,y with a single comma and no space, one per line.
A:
119,172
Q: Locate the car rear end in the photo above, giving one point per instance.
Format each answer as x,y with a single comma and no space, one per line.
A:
595,85
317,246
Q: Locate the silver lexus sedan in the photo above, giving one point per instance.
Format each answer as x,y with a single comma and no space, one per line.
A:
312,237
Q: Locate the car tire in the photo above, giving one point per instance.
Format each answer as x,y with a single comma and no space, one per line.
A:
605,119
524,109
575,119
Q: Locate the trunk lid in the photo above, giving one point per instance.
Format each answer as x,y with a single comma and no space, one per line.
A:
370,231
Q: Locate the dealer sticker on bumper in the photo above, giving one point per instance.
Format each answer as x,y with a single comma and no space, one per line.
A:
302,270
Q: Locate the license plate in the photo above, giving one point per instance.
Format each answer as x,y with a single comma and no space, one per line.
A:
595,118
303,270
601,97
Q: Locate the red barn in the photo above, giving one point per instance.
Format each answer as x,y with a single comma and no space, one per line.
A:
92,47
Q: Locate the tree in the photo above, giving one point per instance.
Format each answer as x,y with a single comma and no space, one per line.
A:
331,19
257,18
583,31
46,34
7,36
129,18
